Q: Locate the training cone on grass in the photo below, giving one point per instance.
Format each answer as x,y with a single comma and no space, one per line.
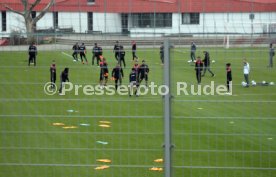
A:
159,160
104,122
156,169
104,160
70,127
104,126
58,124
102,167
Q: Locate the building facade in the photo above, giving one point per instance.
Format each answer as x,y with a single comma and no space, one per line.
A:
148,17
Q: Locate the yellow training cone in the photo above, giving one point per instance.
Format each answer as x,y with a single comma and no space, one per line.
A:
158,160
156,169
104,125
58,124
104,160
105,122
102,167
70,127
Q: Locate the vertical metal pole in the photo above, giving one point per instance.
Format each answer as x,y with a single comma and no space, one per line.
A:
154,25
105,17
79,15
179,21
167,110
252,18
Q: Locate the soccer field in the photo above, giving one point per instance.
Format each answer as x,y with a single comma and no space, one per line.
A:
213,135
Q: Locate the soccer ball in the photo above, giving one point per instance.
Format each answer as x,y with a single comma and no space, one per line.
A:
243,84
253,83
213,61
189,61
271,83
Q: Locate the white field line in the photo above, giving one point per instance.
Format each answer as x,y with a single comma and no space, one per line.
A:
78,99
125,149
131,116
67,54
138,133
132,166
132,100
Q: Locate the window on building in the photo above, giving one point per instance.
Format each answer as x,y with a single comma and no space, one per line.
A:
90,1
151,20
33,13
90,21
55,20
4,21
190,18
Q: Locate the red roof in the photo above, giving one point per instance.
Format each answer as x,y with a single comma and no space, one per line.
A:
134,6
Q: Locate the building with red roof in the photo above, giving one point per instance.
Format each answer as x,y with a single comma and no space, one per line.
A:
148,16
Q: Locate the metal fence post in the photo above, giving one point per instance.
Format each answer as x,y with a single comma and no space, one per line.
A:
167,110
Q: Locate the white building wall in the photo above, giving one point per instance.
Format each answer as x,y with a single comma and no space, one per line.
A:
75,20
111,23
213,23
79,22
45,22
15,22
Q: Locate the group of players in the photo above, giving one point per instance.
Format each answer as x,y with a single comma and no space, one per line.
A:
204,65
201,66
137,75
138,72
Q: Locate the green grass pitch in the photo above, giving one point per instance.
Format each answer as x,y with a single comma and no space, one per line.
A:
213,136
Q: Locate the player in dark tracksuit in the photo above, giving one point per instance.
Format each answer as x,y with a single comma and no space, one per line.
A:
121,56
103,72
271,55
198,69
136,69
133,82
116,50
53,74
32,54
134,48
143,72
162,53
63,78
228,77
97,52
207,63
82,50
193,51
75,49
117,75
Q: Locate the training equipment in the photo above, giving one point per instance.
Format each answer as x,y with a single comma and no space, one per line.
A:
159,160
102,142
58,124
102,167
105,122
156,169
104,160
69,127
243,84
253,83
104,125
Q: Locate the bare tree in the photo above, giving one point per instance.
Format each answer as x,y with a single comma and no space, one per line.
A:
30,22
